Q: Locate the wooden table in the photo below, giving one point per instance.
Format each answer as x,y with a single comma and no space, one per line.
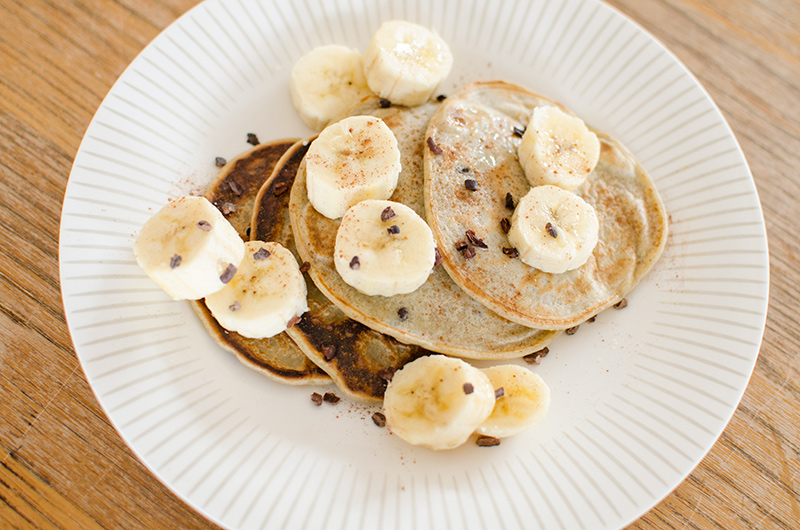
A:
64,466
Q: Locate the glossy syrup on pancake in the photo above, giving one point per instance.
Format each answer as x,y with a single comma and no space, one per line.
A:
474,131
438,316
359,359
233,192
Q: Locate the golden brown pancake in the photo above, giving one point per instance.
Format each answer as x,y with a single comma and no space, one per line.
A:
474,129
278,357
438,316
359,359
233,192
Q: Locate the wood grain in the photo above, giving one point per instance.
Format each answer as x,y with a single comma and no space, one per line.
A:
64,466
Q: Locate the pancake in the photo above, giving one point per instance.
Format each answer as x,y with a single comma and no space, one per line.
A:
438,316
278,357
233,192
474,129
359,360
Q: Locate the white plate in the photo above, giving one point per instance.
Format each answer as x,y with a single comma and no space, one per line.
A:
639,396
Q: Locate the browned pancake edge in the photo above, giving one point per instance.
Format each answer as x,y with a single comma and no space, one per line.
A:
234,192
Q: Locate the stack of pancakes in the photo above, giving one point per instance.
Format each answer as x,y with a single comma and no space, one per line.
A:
489,307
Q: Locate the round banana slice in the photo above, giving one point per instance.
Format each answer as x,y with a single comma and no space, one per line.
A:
521,404
405,62
188,248
267,293
352,160
554,230
325,82
437,401
384,248
557,148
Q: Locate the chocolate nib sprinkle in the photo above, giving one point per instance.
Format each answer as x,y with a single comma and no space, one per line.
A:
461,246
468,253
394,229
228,274
487,441
536,357
235,306
387,214
551,230
464,169
402,313
331,398
294,321
475,240
505,225
437,257
379,419
252,139
591,319
532,358
471,184
468,388
219,161
509,201
519,131
511,252
204,225
441,97
305,267
228,208
329,352
175,261
435,149
386,373
261,253
355,264
499,392
621,304
571,331
385,103
316,398
280,188
235,187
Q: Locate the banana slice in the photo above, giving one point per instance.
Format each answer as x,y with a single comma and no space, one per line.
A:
268,292
384,248
325,82
557,149
524,401
405,62
189,249
437,401
554,230
354,159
